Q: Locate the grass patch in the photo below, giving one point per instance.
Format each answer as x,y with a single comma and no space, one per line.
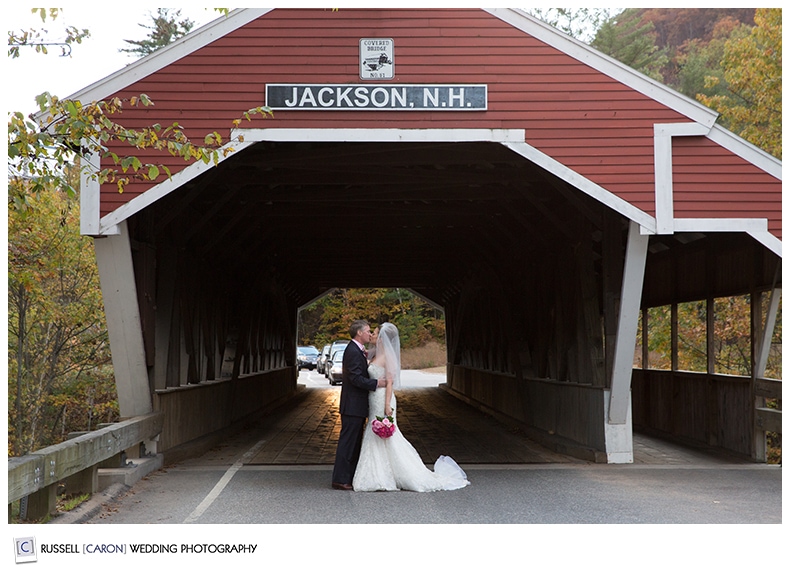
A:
63,504
68,502
431,355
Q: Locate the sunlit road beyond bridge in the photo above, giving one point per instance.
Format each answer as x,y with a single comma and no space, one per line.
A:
280,472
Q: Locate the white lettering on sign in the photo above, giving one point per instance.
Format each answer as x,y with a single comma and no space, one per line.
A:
472,97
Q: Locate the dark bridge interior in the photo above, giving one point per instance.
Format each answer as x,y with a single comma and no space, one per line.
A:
422,215
527,268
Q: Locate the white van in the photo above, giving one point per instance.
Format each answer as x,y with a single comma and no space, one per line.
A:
335,346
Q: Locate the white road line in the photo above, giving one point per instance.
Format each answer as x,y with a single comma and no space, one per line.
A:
224,481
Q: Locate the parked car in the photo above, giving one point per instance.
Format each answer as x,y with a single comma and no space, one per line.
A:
334,347
334,367
306,357
323,356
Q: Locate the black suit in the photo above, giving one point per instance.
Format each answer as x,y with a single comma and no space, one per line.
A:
353,412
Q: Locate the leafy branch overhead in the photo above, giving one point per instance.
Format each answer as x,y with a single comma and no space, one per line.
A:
36,39
40,145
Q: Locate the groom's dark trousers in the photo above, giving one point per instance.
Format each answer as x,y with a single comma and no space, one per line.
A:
353,412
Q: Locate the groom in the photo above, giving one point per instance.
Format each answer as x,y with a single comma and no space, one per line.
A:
353,404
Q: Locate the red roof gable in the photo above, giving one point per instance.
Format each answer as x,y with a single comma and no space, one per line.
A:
588,113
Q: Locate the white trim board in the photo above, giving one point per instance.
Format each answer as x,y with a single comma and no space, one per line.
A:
666,223
662,166
381,135
108,223
647,222
513,139
756,228
510,138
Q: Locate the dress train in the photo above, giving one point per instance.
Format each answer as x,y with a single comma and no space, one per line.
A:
391,464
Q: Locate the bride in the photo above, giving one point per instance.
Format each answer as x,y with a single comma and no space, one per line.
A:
390,464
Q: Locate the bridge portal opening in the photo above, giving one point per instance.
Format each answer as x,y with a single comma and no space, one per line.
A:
527,269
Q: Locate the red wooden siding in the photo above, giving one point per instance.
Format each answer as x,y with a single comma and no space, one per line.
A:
710,181
582,118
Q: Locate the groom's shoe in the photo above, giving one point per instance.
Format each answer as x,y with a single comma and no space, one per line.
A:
343,486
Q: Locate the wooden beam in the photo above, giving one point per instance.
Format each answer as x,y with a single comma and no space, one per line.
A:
768,388
633,278
710,338
612,280
768,420
590,317
165,295
674,335
759,441
116,274
764,342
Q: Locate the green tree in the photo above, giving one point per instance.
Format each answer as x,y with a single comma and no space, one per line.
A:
164,29
697,60
752,65
731,334
328,318
628,39
59,373
692,336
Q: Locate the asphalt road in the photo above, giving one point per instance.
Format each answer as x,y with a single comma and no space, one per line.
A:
528,494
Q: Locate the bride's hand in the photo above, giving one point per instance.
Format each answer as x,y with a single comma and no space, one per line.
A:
388,410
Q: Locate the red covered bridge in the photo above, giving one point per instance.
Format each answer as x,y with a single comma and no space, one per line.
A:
539,192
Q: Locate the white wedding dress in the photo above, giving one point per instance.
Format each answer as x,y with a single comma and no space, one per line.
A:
391,464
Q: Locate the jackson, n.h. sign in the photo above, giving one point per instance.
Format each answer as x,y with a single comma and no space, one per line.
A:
409,97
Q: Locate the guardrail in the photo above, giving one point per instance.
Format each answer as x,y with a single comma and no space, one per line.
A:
36,476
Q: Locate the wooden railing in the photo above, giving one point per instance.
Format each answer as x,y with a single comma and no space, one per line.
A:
718,410
768,419
36,476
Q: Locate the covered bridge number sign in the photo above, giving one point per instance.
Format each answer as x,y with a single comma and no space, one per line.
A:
376,59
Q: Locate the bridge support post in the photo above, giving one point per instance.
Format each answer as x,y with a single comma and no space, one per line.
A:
619,438
42,503
86,481
627,325
119,291
618,427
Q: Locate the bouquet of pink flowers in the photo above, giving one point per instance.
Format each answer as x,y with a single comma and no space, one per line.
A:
383,426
